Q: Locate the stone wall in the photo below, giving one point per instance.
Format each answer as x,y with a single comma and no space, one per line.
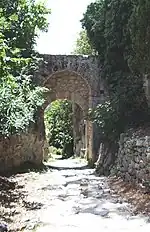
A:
17,150
133,160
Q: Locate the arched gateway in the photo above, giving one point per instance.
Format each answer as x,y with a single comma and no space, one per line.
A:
76,78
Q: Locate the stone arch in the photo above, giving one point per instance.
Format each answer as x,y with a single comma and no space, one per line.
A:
70,85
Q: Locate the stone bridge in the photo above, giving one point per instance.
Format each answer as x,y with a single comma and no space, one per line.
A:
78,79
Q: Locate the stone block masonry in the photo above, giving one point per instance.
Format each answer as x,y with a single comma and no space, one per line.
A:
133,160
17,150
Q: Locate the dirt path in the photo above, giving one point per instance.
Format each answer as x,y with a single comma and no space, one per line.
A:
67,201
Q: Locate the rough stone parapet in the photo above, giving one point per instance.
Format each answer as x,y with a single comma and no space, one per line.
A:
86,66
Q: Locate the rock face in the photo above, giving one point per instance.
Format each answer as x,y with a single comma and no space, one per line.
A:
133,159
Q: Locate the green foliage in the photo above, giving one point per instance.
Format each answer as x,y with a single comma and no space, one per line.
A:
140,33
111,28
83,46
104,115
59,126
20,22
19,98
94,24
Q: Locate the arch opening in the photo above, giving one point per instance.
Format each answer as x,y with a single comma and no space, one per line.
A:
72,87
64,129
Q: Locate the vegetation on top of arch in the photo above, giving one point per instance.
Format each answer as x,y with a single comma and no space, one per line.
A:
119,32
82,45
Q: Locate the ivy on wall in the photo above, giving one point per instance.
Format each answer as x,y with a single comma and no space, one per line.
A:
119,31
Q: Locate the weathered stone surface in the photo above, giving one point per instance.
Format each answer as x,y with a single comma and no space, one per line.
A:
17,150
148,157
133,159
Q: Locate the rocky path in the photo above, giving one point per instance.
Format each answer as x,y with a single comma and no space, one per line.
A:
67,200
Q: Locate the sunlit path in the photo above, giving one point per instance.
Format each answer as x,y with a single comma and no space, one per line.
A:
72,201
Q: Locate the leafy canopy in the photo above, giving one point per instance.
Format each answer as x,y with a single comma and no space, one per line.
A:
19,98
21,20
82,46
119,32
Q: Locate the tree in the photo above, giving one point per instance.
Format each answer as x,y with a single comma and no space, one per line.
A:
83,46
19,98
111,29
139,25
23,19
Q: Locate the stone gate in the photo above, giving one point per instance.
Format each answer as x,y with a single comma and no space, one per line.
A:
78,79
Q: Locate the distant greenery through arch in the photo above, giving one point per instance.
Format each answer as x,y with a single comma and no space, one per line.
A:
59,126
